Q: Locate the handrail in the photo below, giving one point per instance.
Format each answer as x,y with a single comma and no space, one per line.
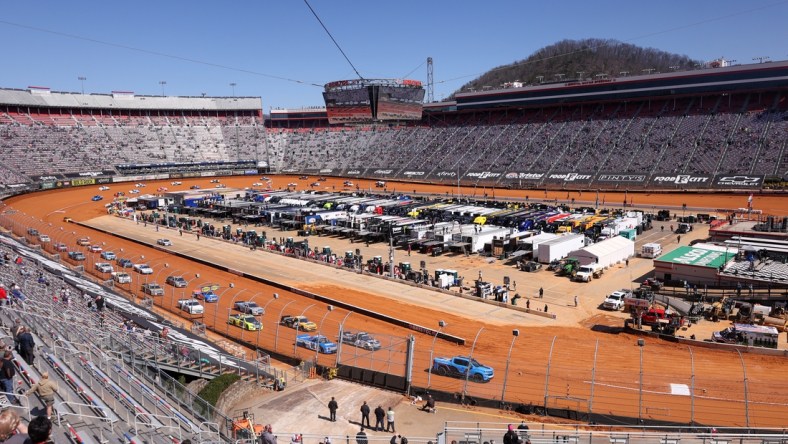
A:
24,406
61,413
159,424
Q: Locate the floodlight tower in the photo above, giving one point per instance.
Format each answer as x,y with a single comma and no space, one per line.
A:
430,81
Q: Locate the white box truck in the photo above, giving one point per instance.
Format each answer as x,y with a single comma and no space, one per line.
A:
651,250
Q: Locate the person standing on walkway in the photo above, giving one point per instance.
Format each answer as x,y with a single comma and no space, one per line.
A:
46,389
27,346
332,409
545,308
511,436
390,421
575,301
7,373
541,292
361,436
365,416
379,415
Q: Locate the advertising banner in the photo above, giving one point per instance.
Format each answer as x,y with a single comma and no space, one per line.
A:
569,177
246,172
444,176
102,180
622,178
382,172
63,183
82,182
353,172
192,174
738,181
207,173
90,174
413,174
47,185
516,176
49,178
674,180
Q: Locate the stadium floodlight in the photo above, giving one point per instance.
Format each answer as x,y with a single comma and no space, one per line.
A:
162,83
761,59
232,85
82,80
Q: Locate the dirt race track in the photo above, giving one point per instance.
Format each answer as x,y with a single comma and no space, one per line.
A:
590,369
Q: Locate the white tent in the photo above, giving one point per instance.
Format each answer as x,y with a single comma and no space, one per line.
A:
606,253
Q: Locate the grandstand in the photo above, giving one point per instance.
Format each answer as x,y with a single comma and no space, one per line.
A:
722,128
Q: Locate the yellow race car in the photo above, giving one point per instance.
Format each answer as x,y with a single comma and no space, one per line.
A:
245,321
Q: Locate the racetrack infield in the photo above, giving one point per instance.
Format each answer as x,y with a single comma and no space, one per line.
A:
668,368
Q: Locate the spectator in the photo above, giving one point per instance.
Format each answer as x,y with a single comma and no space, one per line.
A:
46,389
361,436
390,421
365,415
332,409
12,431
27,346
379,415
39,430
511,436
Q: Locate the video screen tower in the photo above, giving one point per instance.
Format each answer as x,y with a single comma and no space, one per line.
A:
373,100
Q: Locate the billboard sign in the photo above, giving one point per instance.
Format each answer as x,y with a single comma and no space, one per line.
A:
622,178
678,180
570,177
738,181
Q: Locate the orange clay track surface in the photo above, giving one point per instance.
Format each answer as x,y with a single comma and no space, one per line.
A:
718,383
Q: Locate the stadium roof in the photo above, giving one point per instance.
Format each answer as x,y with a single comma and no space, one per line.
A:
42,97
698,257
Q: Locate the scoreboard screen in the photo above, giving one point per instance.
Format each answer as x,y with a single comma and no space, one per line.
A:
365,100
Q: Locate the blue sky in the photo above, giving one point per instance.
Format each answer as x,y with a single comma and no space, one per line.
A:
203,46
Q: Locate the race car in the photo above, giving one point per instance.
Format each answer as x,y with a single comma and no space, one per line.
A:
361,339
316,342
292,184
103,267
176,183
246,322
96,198
164,242
95,248
108,255
207,296
176,281
103,188
299,322
121,277
143,268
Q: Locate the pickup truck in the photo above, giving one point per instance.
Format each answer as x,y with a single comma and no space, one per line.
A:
361,340
615,301
207,296
298,322
462,365
152,289
249,308
191,306
316,342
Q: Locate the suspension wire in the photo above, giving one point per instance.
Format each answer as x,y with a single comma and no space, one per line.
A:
414,69
333,40
156,53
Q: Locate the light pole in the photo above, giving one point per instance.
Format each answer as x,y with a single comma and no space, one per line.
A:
162,83
470,361
341,331
329,309
232,304
641,344
82,80
232,85
295,340
441,326
279,324
515,334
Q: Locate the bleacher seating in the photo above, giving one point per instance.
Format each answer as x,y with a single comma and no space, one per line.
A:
103,396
